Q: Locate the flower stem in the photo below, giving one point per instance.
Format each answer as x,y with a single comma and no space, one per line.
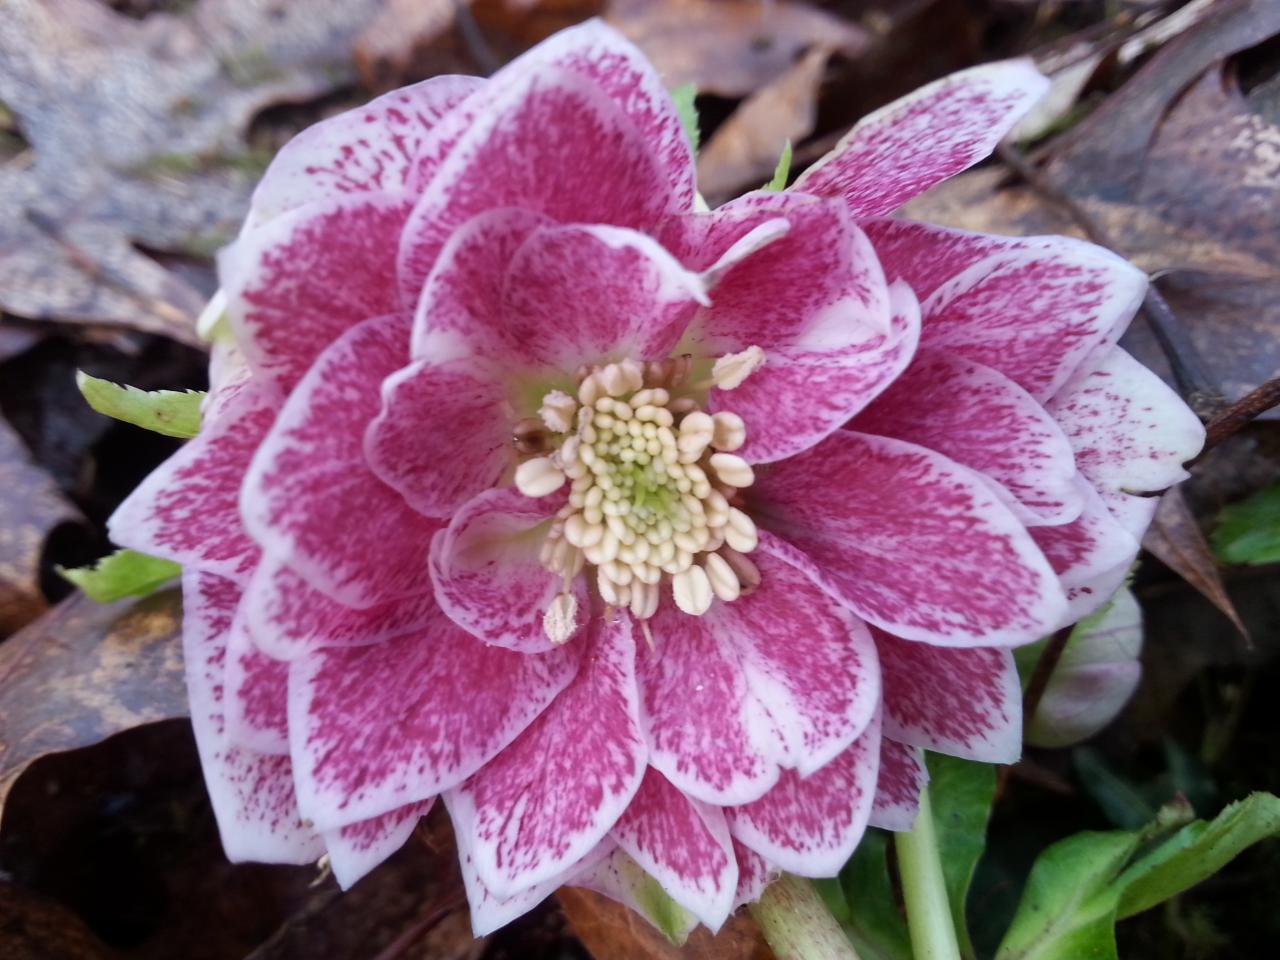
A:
933,934
797,924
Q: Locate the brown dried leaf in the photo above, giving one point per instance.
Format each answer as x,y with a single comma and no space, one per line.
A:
409,39
609,930
137,136
729,47
85,671
30,507
744,149
1176,540
33,927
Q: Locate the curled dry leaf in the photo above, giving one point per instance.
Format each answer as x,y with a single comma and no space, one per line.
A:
136,133
1177,541
608,930
745,148
83,672
30,507
729,47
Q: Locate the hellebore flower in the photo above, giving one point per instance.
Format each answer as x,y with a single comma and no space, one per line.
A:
654,541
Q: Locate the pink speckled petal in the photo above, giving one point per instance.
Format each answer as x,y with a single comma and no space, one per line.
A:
357,848
296,284
815,300
811,825
460,312
1130,431
578,294
506,159
780,678
902,776
611,63
620,878
980,418
1091,555
373,148
486,571
545,801
443,434
309,497
754,874
926,256
187,510
252,793
256,693
914,542
939,130
1035,313
683,844
490,911
288,619
377,727
966,702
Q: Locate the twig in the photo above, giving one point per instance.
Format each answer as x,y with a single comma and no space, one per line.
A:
472,36
1231,420
1189,370
428,922
1043,673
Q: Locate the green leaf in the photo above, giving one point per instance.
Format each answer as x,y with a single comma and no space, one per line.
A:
1080,887
864,903
684,96
782,171
124,573
962,792
1198,851
171,412
1067,911
1249,531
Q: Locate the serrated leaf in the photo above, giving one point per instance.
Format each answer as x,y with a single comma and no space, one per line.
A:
1249,531
684,96
782,171
961,792
1067,911
1081,886
1198,851
125,573
175,413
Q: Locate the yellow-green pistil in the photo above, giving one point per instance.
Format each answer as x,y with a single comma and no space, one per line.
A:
653,487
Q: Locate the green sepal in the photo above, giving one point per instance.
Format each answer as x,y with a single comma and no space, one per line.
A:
175,413
125,573
782,171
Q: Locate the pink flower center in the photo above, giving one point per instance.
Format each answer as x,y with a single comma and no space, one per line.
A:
654,486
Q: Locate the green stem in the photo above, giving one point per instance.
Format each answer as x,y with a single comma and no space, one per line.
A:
933,934
797,924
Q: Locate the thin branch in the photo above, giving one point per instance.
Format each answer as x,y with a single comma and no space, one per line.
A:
1043,673
1189,369
428,922
1233,419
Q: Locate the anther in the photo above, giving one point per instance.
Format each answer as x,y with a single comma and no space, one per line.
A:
539,477
557,411
561,619
733,368
732,469
691,591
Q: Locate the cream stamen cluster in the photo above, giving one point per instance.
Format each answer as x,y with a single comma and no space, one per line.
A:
653,490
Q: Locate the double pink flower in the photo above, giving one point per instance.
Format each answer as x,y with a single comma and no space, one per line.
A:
652,540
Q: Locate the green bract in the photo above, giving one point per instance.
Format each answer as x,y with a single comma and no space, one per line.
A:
171,412
125,573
